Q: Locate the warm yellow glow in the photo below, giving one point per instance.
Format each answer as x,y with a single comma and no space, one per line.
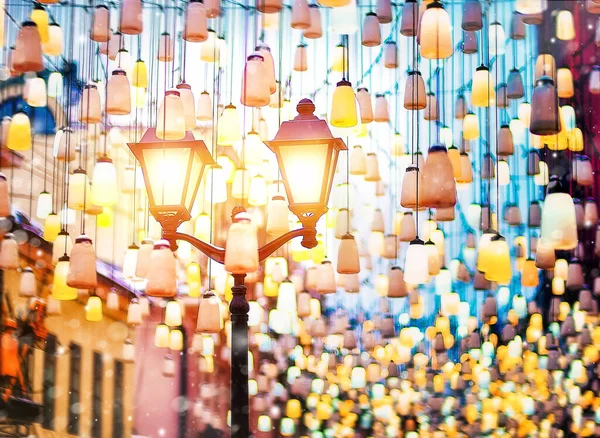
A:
60,289
93,309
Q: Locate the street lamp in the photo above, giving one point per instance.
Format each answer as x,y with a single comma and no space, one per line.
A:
307,156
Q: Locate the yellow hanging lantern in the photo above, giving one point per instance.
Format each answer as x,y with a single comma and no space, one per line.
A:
19,133
93,309
60,289
343,106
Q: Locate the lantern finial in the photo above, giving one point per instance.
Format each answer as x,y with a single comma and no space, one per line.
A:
306,109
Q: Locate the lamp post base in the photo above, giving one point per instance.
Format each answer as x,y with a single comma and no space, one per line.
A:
240,410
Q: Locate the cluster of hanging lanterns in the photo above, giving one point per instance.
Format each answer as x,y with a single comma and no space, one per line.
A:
412,313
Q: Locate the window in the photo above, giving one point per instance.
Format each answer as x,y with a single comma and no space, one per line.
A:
74,389
97,396
48,382
118,402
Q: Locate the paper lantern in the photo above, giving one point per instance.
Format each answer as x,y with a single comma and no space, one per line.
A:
594,80
165,48
118,97
132,22
436,33
104,183
498,265
161,274
382,113
482,88
100,30
343,106
545,65
439,189
515,88
60,289
517,27
300,58
564,83
9,252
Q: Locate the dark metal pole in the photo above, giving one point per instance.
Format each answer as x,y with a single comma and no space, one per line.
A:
239,308
183,389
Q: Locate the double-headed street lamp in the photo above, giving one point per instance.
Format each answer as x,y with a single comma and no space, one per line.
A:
307,155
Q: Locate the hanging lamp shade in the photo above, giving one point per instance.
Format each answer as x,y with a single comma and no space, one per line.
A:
54,45
559,228
39,16
454,157
471,126
277,216
170,121
414,92
343,106
9,252
229,127
348,259
482,89
412,188
82,267
172,173
204,107
545,65
19,133
472,18
301,58
515,85
189,105
60,289
27,283
416,270
36,92
55,85
196,26
545,117
325,283
209,314
173,314
27,55
505,141
410,18
139,75
165,48
93,309
564,83
431,112
257,193
51,227
439,188
162,276
255,85
90,111
460,107
384,11
466,169
300,15
5,197
371,32
517,27
118,96
565,25
315,30
436,32
144,258
594,80
470,45
132,22
496,39
372,173
79,190
241,249
358,161
105,190
100,30
382,113
364,103
390,54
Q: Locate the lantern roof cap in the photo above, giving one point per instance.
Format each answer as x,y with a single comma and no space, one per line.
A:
305,126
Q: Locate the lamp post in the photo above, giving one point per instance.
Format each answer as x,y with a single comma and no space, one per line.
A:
307,155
